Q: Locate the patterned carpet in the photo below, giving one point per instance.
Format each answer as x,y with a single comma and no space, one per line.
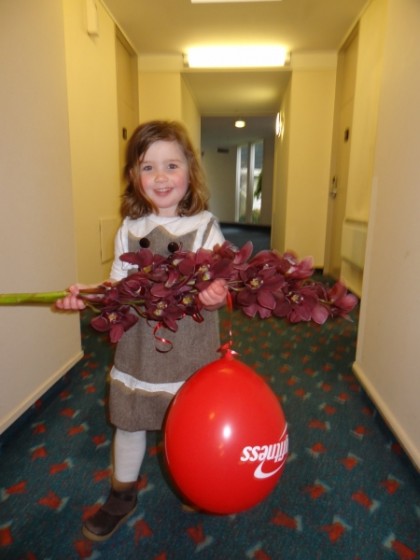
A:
347,491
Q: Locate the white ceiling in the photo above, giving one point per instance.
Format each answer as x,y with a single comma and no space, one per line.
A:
166,28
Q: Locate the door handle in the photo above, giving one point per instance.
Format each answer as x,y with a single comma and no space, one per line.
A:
334,185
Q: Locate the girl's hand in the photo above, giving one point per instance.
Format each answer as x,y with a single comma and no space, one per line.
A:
214,296
72,302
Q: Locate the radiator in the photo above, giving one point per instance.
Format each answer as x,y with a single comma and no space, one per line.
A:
353,243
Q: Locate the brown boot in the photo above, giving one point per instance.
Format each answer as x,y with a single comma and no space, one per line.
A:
118,507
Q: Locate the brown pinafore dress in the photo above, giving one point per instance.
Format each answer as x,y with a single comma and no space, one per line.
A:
194,345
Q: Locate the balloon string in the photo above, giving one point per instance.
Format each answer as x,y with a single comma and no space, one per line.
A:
226,348
161,339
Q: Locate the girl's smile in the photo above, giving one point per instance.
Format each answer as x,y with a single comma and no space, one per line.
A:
164,176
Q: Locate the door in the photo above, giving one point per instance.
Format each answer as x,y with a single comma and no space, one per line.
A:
127,96
346,79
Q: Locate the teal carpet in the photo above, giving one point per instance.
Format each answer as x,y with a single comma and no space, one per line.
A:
347,491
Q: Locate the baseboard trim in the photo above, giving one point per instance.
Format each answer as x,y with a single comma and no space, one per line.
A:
389,418
26,404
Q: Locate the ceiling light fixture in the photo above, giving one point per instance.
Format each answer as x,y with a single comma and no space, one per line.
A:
249,56
240,123
228,1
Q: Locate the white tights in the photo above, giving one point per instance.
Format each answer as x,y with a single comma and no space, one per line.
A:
129,451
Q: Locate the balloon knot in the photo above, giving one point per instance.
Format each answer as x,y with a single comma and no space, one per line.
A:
226,350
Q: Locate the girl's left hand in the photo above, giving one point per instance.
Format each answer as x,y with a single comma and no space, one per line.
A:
214,296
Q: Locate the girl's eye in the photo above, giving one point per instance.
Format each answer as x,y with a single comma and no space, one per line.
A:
172,166
146,167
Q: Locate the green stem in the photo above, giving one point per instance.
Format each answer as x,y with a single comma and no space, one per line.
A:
41,297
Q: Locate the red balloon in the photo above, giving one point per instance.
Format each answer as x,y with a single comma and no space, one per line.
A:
226,440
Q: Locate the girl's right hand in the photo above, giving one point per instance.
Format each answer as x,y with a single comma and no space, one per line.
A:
72,302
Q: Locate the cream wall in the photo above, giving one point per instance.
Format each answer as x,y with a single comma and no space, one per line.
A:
93,115
387,349
365,111
159,95
37,243
305,182
220,170
369,70
281,169
163,94
190,115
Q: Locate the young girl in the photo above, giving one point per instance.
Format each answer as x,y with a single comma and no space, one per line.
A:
164,208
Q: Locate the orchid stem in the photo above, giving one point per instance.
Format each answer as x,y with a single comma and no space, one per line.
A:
41,297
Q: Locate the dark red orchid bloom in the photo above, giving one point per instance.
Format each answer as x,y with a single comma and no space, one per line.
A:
165,311
228,251
341,301
204,266
165,289
143,259
313,301
297,305
116,321
133,287
289,265
258,289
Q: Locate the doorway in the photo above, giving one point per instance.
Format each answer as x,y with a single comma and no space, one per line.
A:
249,167
233,160
342,136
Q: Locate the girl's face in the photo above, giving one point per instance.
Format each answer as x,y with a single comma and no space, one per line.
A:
164,176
